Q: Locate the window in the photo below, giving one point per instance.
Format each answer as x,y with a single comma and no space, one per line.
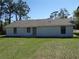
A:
15,30
28,29
63,30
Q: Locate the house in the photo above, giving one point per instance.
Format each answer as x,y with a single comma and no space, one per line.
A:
40,28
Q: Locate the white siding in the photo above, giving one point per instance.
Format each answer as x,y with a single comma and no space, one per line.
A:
9,31
54,31
47,31
20,32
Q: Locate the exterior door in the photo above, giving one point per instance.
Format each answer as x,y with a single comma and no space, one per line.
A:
34,31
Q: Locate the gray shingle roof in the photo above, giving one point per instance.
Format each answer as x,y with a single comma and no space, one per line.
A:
40,22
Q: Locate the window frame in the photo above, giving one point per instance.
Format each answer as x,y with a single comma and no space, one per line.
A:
15,30
63,29
28,29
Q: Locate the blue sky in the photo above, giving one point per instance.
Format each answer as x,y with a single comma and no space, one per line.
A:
43,8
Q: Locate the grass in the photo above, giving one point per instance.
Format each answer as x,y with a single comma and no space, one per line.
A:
39,48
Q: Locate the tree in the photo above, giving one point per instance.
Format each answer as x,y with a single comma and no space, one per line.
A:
23,9
1,13
15,8
63,13
1,7
54,14
1,26
8,9
76,14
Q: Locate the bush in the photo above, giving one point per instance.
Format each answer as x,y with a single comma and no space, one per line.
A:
76,33
2,33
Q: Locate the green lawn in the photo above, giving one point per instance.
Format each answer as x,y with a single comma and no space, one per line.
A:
39,48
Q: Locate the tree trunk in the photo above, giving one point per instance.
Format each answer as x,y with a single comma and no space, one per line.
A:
9,18
19,17
16,17
1,26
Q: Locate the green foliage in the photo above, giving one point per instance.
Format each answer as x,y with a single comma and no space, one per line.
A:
1,27
9,8
54,14
1,13
1,8
62,13
76,33
76,14
22,9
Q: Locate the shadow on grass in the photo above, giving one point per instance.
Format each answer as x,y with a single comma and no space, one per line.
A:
4,36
